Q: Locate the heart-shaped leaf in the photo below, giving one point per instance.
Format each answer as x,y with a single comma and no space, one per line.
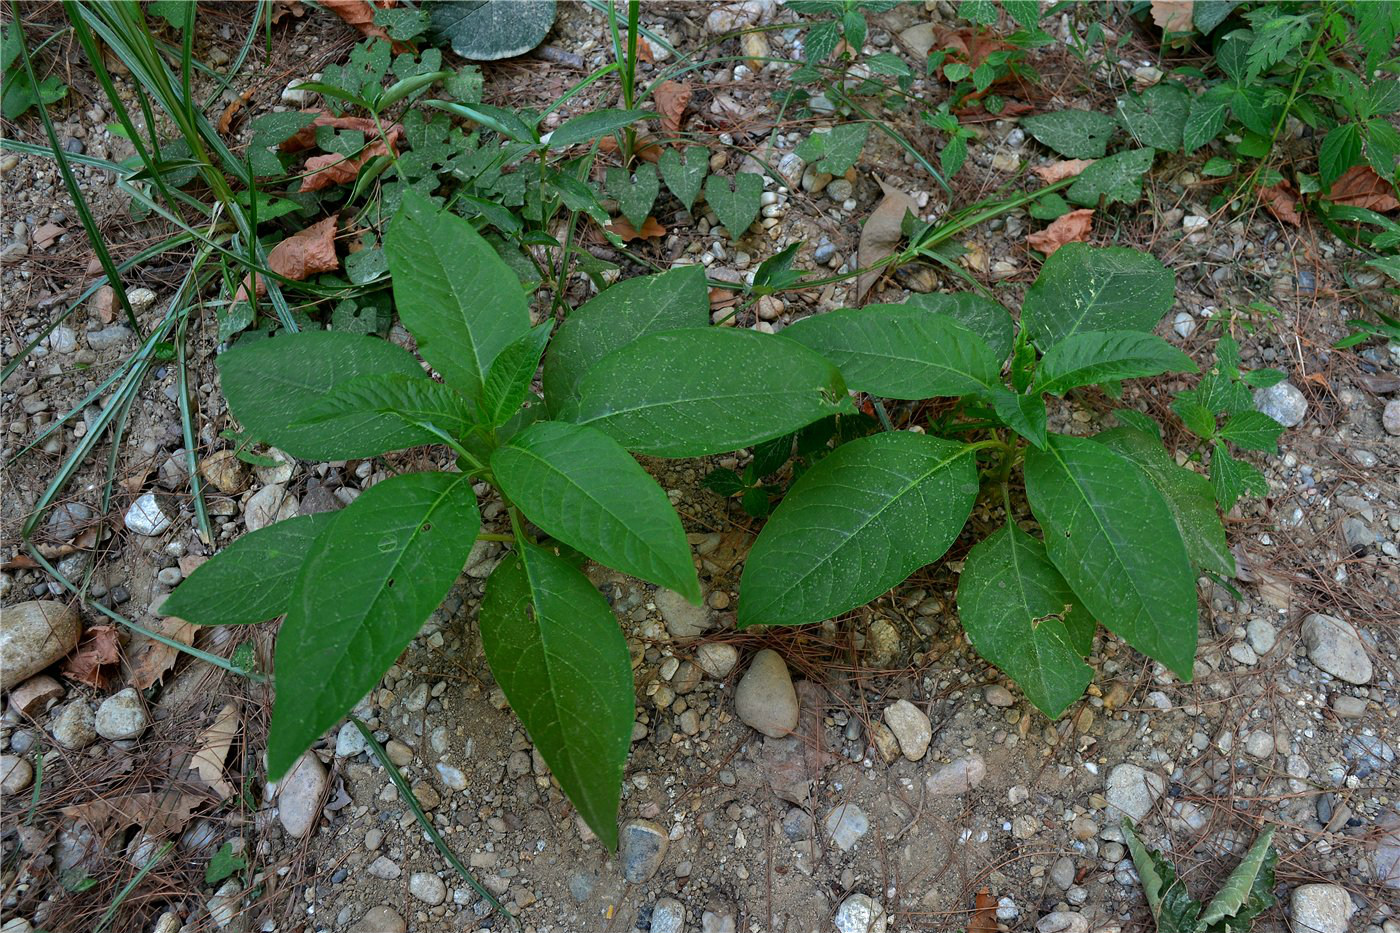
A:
1156,117
684,172
1116,178
1074,134
735,200
635,192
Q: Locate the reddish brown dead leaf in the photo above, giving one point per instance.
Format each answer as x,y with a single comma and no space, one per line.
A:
213,745
44,237
300,256
644,51
881,235
672,97
1059,171
1073,227
1360,186
98,649
150,660
305,138
159,813
323,171
970,46
984,913
647,147
1172,15
1282,201
226,118
281,8
360,14
650,228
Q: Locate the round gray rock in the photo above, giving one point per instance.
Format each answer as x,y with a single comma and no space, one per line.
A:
684,620
16,774
122,716
717,659
299,796
911,728
668,916
1334,646
1131,791
427,887
861,913
1390,418
1322,908
765,698
1283,403
380,919
957,777
34,635
642,848
75,726
149,515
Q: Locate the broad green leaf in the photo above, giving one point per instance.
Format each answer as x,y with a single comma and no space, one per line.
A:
735,200
270,384
414,400
1095,356
1155,117
1024,414
1206,117
487,30
1132,418
1188,495
1085,288
691,393
251,580
1020,615
856,524
582,487
1116,178
635,192
1173,908
983,316
1075,134
1199,419
508,380
1232,478
628,310
591,125
895,351
1207,14
453,292
371,580
560,658
1252,430
836,150
1244,885
1340,150
684,172
1112,536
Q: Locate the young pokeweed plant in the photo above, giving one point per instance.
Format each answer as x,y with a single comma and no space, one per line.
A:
1247,892
640,370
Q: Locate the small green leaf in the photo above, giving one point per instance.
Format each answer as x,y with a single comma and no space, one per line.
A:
1020,615
1206,117
1340,150
488,30
1093,357
1232,478
836,150
1173,908
1216,167
508,381
857,523
691,393
1116,178
1199,419
223,864
1049,207
635,192
735,200
755,501
684,172
1156,117
414,400
581,487
1110,533
628,310
1263,378
1075,134
1084,288
270,384
1024,414
1249,887
724,482
371,580
900,352
983,316
252,579
592,125
559,656
1252,430
776,271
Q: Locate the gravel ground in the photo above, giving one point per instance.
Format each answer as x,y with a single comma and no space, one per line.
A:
914,776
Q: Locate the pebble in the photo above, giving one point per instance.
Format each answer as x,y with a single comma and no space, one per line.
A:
1131,791
349,742
268,505
1062,921
839,190
668,916
223,906
122,716
63,340
385,868
141,300
1390,417
452,778
68,519
147,515
1262,636
861,913
1062,872
16,774
1348,707
765,698
109,337
642,849
1184,324
380,919
1283,403
684,621
823,253
75,725
711,922
1259,744
997,695
845,825
957,777
299,796
225,472
1321,908
33,635
911,727
1334,646
427,887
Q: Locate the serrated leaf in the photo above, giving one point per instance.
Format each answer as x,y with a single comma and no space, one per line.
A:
251,580
983,316
857,523
508,381
590,126
692,393
628,310
1085,288
1263,378
270,384
1252,430
453,292
635,192
1110,533
684,172
836,150
1207,14
735,200
1049,207
1074,134
1249,887
1132,418
1232,478
1093,357
1340,150
558,654
1188,495
1020,615
1199,419
1116,178
723,482
769,457
1155,117
1024,414
581,487
370,581
414,400
900,352
1206,118
488,30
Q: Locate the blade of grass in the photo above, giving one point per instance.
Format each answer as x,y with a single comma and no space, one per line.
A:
201,513
116,904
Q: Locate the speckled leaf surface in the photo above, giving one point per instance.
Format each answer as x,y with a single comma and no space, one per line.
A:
1085,288
1093,357
984,317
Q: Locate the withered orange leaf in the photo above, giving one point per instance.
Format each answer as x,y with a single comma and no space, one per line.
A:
646,147
672,97
98,649
360,14
650,228
1360,186
150,660
984,913
1172,15
305,138
1059,171
300,256
1073,227
1282,202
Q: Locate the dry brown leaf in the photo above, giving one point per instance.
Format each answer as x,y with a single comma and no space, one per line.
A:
646,147
323,171
150,660
650,228
300,256
672,97
1282,202
159,813
98,649
226,118
282,8
305,138
360,14
1172,15
644,51
881,235
1059,171
968,45
44,237
984,913
213,745
1360,186
104,304
1073,227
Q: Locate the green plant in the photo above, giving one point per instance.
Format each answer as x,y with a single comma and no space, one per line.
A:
1246,893
21,92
